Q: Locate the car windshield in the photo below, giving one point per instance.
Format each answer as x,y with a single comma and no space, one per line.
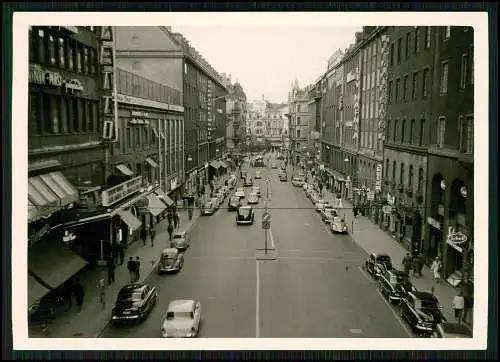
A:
178,236
235,199
383,259
426,304
244,212
239,190
130,295
208,204
175,315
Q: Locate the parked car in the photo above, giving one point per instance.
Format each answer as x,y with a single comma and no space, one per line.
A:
220,198
298,181
422,312
171,261
283,177
208,208
305,186
394,284
215,202
256,189
320,204
338,225
234,203
258,175
134,302
327,214
378,263
314,197
252,198
245,215
240,192
248,182
274,165
451,330
182,319
180,240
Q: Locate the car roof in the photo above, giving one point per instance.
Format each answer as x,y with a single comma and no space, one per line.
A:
423,295
181,305
133,287
169,251
181,233
381,255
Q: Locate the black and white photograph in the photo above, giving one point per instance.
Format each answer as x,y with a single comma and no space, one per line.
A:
198,180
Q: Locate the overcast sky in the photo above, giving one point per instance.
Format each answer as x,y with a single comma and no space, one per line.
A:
265,60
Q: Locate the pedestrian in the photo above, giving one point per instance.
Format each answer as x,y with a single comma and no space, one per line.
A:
420,263
170,230
79,294
137,268
169,217
144,235
152,235
111,270
436,269
131,269
121,252
101,285
176,220
68,293
458,306
415,261
355,211
407,263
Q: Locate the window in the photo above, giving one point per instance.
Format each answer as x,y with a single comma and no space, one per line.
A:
64,115
93,61
460,131
441,131
86,68
405,87
387,130
395,135
88,116
389,92
403,126
412,127
95,116
463,71
78,56
444,78
447,32
62,53
397,90
46,115
83,110
34,114
391,55
74,114
55,110
407,46
422,132
402,174
414,86
71,55
298,121
416,41
52,50
145,142
137,138
185,68
469,137
427,37
387,168
41,46
425,82
400,44
394,171
410,177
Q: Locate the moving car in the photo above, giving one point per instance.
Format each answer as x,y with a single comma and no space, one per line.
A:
338,225
240,192
252,198
134,302
258,175
208,208
422,312
298,181
451,330
248,182
320,204
234,203
182,319
274,165
394,284
378,263
245,215
220,198
256,189
282,176
180,240
327,214
215,202
170,261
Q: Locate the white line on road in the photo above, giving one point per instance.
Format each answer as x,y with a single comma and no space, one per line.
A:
272,239
257,301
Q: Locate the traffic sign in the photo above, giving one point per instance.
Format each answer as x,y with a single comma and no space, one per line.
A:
266,220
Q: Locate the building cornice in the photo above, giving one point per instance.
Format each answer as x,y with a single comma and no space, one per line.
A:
422,151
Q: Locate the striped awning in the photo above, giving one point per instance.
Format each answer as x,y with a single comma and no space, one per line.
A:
338,176
129,219
155,205
215,164
151,162
164,197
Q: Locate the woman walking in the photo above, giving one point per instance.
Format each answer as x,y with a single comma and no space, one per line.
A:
436,269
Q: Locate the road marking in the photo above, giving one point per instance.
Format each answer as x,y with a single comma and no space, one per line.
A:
257,301
398,318
272,239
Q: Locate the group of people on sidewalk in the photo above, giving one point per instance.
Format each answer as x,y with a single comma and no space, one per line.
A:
134,268
73,288
414,263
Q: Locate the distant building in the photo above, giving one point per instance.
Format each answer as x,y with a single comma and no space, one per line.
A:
236,114
275,124
300,125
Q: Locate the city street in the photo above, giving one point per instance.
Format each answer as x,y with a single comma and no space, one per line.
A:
315,288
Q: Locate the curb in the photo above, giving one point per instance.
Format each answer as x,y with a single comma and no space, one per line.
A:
99,332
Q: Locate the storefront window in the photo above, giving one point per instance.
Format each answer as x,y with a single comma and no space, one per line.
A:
74,114
78,55
54,113
95,117
85,60
52,50
34,114
64,115
89,115
62,53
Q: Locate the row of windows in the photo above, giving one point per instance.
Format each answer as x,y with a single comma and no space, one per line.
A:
56,114
60,51
134,85
397,133
465,136
408,182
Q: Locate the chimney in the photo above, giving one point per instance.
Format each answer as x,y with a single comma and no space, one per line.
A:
359,36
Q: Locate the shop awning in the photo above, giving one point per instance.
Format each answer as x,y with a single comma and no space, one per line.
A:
338,176
53,262
129,219
164,197
124,169
155,205
215,164
49,192
223,164
151,162
36,291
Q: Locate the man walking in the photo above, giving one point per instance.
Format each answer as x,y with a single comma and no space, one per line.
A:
131,269
169,217
137,268
458,306
111,270
176,220
170,230
144,235
407,263
152,235
79,293
436,269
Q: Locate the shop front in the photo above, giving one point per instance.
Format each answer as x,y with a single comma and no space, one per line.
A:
434,243
457,246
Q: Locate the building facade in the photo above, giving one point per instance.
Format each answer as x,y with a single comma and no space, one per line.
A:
274,125
299,124
236,115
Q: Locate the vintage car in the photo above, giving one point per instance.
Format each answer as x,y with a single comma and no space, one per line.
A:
394,284
234,203
298,181
248,182
180,240
252,198
283,177
220,198
321,204
240,192
208,208
258,174
256,189
182,319
134,302
378,263
451,330
245,215
171,261
215,202
328,214
422,312
274,165
338,225
314,196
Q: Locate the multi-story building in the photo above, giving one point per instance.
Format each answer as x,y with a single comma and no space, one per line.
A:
409,101
168,58
314,104
236,114
449,198
299,124
256,124
274,125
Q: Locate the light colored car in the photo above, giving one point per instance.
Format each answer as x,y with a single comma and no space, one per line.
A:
298,181
253,198
208,208
258,174
305,186
220,196
327,214
314,197
182,319
180,240
240,192
274,165
320,204
338,225
215,202
170,261
256,189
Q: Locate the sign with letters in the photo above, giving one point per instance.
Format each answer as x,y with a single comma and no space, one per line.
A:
121,191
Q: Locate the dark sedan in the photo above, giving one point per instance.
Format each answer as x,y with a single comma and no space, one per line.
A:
245,215
234,203
394,284
134,302
422,312
378,263
248,182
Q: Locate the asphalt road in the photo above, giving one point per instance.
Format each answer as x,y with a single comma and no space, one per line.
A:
315,288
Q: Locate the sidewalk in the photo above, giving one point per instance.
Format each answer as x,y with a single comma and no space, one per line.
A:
92,319
372,239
